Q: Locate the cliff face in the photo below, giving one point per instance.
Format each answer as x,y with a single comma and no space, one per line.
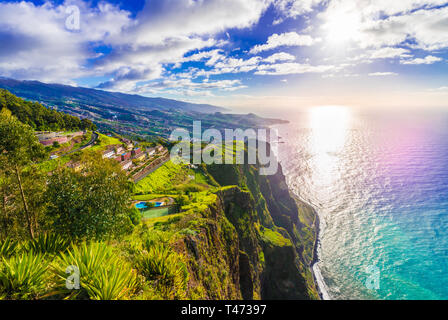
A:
253,242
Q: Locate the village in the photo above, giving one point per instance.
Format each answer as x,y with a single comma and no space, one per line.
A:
137,160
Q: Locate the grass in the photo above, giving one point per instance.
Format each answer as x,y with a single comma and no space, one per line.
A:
272,237
162,179
105,141
147,197
155,213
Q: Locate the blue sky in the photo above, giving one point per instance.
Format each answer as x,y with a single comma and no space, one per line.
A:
244,54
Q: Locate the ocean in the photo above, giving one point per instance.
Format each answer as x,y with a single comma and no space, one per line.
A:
379,182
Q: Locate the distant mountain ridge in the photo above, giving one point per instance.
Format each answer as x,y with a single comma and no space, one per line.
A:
58,93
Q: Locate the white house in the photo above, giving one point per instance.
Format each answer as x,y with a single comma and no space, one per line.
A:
150,151
108,154
125,165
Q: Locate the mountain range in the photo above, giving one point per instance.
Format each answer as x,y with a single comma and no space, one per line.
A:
58,93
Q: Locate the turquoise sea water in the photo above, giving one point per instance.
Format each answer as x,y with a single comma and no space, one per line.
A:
380,185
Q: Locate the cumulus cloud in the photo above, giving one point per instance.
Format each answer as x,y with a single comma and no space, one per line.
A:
294,8
425,60
280,56
389,23
385,53
41,47
189,87
288,39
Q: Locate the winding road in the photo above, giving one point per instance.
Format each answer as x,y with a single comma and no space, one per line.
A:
92,140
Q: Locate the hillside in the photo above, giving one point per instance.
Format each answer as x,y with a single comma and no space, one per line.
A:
133,116
60,94
181,232
39,117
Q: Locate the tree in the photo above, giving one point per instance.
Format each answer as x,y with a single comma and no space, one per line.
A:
19,148
94,203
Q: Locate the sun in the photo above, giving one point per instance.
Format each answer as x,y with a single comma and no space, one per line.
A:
341,27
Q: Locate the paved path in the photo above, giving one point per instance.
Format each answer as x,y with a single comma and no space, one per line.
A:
93,138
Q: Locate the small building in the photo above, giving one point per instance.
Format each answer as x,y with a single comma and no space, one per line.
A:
126,165
159,148
126,156
119,149
140,157
136,152
118,158
109,153
150,151
128,143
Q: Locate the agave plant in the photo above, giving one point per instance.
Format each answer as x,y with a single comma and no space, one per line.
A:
7,248
102,275
165,268
48,244
23,276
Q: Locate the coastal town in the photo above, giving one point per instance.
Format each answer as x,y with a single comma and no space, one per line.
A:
137,160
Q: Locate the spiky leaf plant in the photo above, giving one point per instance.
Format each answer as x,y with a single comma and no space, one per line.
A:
102,274
48,244
164,267
23,276
7,248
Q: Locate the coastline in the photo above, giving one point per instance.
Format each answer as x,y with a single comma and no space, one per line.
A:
317,275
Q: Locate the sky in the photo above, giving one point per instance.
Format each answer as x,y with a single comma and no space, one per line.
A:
243,54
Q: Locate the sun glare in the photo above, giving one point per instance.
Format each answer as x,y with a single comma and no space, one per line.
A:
341,27
329,130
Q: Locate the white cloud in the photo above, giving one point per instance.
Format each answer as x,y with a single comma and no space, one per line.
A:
40,47
289,39
382,74
188,87
389,23
162,33
292,68
385,53
294,8
280,56
425,60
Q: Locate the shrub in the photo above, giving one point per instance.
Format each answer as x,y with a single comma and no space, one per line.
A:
135,216
23,276
165,269
7,248
48,243
102,275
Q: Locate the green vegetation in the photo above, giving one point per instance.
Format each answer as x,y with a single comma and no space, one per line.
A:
40,118
162,179
23,276
234,234
103,275
103,141
273,238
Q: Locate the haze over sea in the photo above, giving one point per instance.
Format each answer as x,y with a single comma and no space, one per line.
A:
380,185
